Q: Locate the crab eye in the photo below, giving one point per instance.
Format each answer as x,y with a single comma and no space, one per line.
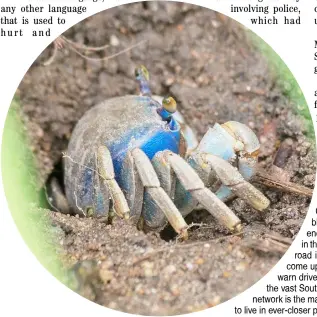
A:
169,104
137,72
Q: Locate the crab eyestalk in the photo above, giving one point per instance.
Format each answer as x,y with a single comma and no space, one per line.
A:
142,76
169,107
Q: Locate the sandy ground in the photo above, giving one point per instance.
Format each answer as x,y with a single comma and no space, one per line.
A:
205,62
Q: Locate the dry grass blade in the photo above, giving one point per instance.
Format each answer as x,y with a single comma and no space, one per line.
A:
51,59
84,47
96,59
269,180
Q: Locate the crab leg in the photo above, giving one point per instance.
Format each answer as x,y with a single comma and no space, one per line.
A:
56,197
132,187
182,198
192,183
231,178
247,145
165,174
106,171
155,197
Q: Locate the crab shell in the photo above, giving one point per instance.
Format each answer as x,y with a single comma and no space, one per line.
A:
121,124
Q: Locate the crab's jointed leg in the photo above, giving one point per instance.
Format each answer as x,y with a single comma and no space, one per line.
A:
106,171
132,187
156,201
231,178
195,186
56,197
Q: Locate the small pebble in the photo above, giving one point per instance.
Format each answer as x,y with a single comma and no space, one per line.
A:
148,269
106,275
169,81
215,24
241,266
170,269
139,289
114,41
175,290
200,261
189,266
215,301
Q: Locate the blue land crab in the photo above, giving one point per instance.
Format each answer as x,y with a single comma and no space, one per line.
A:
133,156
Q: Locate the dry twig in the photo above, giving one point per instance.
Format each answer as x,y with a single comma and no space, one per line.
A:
62,42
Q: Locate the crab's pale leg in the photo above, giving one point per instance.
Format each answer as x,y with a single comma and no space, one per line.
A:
195,186
132,187
106,171
56,197
164,173
231,178
182,198
156,200
101,202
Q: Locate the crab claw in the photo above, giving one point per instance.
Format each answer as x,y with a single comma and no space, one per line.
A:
230,142
246,147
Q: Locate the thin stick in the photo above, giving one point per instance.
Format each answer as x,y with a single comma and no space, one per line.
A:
96,59
61,40
83,46
51,59
269,180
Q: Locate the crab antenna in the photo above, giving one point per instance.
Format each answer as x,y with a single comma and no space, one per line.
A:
143,77
169,107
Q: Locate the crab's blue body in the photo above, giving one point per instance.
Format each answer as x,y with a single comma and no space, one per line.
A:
121,124
151,136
